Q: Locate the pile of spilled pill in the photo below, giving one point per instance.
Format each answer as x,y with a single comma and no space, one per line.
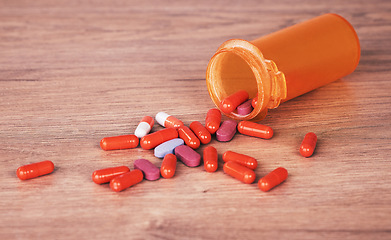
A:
178,142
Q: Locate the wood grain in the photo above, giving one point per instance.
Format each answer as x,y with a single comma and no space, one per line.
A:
73,72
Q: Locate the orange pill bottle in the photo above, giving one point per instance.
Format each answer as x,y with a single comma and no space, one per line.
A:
284,64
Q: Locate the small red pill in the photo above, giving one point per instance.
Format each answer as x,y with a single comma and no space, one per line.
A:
239,172
201,132
168,168
153,139
210,159
255,130
119,142
188,136
308,145
242,159
213,120
230,103
126,180
254,101
35,170
107,174
273,179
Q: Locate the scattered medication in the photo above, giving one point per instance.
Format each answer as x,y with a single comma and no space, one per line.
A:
201,132
126,180
168,168
245,108
167,120
188,136
239,172
154,139
144,127
255,130
226,131
273,179
107,174
151,172
242,159
210,159
230,103
119,142
35,170
308,145
167,147
188,156
213,120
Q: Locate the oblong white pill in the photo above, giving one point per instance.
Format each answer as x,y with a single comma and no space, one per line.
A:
168,147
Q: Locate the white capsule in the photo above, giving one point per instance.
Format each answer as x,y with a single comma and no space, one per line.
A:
144,127
166,120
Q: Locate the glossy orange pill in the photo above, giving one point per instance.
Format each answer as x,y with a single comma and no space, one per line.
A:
242,159
35,170
107,174
119,142
255,130
210,159
230,103
153,139
126,180
308,145
273,179
213,120
189,137
239,172
201,132
254,101
168,168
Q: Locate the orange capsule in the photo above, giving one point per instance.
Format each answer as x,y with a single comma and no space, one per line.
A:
144,127
308,145
107,174
152,140
35,170
167,170
239,172
210,159
274,178
242,159
167,120
254,101
188,136
213,120
255,130
126,180
201,132
230,103
119,142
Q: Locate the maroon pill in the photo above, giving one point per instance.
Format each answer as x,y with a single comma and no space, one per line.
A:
188,156
226,131
245,108
151,172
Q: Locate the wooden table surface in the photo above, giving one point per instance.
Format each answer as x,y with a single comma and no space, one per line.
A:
73,72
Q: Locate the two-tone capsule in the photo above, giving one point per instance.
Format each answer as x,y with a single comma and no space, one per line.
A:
126,180
239,172
201,132
230,103
242,159
272,179
154,139
168,167
308,145
35,170
144,127
119,142
168,121
189,137
255,130
210,159
107,174
213,120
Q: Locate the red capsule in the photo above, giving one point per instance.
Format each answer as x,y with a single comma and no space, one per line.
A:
254,101
188,136
213,120
167,170
152,140
201,132
255,130
126,180
230,103
35,170
239,172
210,159
273,179
308,145
119,142
242,159
107,174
